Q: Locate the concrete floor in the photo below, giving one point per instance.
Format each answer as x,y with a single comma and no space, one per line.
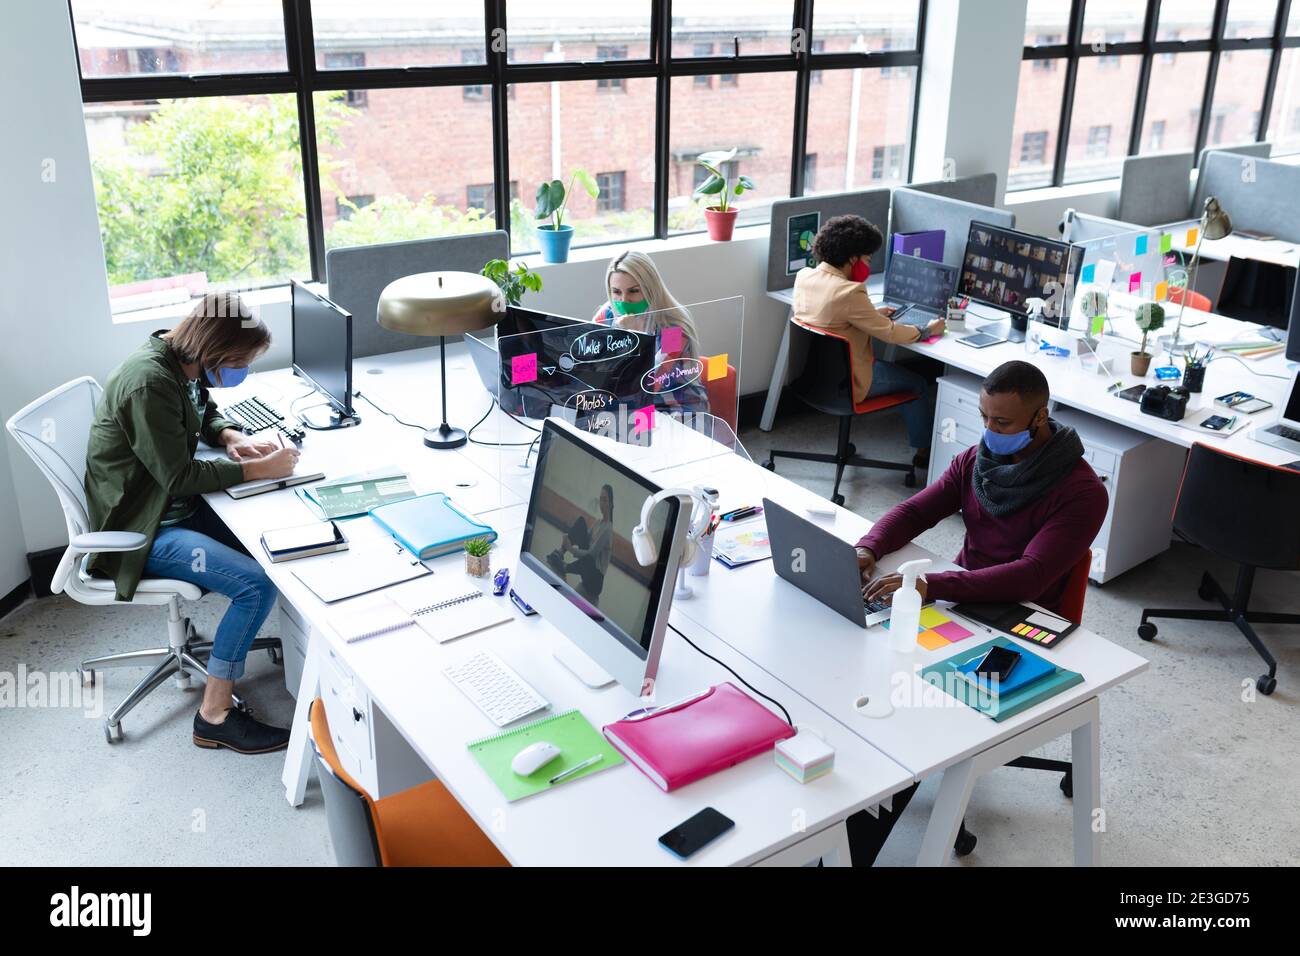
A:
1195,771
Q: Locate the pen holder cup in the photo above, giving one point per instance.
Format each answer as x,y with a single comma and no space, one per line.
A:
956,317
703,557
1194,378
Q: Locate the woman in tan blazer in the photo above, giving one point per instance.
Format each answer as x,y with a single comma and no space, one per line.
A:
833,296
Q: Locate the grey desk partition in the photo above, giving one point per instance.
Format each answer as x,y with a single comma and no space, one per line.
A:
1263,197
914,210
870,204
357,276
981,189
1081,227
1257,150
1155,189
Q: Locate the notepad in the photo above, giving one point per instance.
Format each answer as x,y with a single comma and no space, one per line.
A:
337,577
443,610
577,739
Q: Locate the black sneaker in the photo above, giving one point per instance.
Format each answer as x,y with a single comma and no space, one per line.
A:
239,732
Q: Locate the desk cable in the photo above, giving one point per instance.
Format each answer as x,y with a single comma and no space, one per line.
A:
501,444
371,403
1241,361
785,712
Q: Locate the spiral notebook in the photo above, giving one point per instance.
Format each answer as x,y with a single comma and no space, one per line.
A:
443,610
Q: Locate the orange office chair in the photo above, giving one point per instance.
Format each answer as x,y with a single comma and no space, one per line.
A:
1076,591
722,397
1195,300
421,826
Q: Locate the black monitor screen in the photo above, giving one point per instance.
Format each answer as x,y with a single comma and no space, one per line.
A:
1005,269
322,346
578,536
913,279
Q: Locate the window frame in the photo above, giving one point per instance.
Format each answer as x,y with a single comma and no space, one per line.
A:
1075,49
302,78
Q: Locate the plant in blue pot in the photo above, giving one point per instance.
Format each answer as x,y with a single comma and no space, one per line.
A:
552,199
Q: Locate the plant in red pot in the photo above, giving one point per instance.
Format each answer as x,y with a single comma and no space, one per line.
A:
720,217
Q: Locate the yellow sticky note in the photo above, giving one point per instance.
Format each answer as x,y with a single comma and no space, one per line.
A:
715,367
1162,291
931,641
1192,234
932,618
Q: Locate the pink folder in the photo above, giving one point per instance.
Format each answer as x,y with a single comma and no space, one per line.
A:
712,732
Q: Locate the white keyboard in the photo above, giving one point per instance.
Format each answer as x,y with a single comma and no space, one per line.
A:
494,688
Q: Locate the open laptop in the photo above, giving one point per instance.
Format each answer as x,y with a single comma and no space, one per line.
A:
1286,433
918,289
823,566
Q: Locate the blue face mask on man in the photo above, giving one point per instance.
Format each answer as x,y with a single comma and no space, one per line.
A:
1009,444
229,377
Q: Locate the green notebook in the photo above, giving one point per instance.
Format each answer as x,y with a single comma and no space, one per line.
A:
570,731
943,675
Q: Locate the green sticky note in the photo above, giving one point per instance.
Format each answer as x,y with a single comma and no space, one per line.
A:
1098,324
1166,241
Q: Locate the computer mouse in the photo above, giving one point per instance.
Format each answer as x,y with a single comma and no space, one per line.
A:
534,757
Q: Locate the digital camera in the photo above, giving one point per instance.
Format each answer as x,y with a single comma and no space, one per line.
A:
1165,402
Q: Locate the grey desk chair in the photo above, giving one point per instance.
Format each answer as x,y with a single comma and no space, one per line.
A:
54,430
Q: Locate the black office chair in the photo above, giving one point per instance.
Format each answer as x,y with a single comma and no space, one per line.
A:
1247,511
824,380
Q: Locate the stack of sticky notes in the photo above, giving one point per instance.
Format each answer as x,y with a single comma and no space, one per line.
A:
805,756
937,630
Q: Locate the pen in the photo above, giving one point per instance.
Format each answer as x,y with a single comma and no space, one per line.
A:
589,762
744,512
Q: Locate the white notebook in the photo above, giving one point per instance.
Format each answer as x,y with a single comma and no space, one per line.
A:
443,610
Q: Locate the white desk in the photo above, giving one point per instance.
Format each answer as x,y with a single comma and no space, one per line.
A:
1275,251
406,705
756,623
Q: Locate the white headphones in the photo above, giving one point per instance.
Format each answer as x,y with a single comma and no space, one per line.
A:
703,501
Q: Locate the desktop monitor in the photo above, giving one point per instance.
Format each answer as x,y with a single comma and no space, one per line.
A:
322,354
577,566
1005,269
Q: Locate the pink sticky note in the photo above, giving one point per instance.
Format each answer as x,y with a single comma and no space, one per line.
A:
523,369
643,420
1135,282
670,340
952,631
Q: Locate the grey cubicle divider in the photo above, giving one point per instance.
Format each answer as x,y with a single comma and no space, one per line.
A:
870,204
1081,227
1264,197
1257,150
357,275
1155,189
981,189
914,210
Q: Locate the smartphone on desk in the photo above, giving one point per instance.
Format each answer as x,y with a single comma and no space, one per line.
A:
689,837
998,664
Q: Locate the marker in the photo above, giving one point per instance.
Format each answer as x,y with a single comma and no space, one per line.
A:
745,512
589,762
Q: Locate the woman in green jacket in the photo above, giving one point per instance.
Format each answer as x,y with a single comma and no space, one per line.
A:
141,475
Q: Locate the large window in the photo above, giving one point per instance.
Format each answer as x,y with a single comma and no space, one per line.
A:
235,141
1114,78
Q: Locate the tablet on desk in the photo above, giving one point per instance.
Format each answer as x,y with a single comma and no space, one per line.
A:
980,340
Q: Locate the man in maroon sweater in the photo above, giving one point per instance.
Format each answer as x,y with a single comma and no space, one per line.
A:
1031,504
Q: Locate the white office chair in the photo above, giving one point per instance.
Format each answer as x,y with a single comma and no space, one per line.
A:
54,431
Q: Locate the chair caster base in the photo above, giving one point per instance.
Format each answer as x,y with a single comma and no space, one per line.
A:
837,500
88,677
275,655
1067,787
770,464
113,732
1266,684
1147,631
965,842
1204,593
909,480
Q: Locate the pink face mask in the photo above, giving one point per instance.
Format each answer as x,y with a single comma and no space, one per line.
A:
861,271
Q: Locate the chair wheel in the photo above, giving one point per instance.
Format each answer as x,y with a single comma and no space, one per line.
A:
1067,786
837,499
112,732
87,677
1204,593
1266,684
275,655
1147,631
964,843
770,465
909,480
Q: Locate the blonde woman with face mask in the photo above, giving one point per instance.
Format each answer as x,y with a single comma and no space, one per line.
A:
639,300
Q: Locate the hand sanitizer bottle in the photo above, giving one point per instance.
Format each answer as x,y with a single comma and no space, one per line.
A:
905,613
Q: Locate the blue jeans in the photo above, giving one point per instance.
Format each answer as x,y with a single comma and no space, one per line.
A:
886,377
202,550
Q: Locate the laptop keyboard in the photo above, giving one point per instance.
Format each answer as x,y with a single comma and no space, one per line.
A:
1289,433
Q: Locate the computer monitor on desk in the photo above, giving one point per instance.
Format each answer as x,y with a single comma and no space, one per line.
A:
1004,268
322,354
578,567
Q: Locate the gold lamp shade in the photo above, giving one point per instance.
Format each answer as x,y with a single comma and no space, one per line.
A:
1215,222
439,303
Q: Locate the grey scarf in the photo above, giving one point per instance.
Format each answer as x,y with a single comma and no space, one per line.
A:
1004,486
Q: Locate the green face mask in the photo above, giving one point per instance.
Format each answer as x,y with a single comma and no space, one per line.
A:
630,308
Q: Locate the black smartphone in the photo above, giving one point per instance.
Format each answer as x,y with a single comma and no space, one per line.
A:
1216,422
701,829
1133,393
997,664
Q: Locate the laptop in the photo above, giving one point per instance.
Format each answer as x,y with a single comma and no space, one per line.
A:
918,289
1286,433
825,568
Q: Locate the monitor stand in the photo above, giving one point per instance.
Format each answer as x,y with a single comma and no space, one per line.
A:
582,667
328,419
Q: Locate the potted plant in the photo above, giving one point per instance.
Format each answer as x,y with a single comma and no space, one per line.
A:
721,218
552,198
478,561
513,284
1149,317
